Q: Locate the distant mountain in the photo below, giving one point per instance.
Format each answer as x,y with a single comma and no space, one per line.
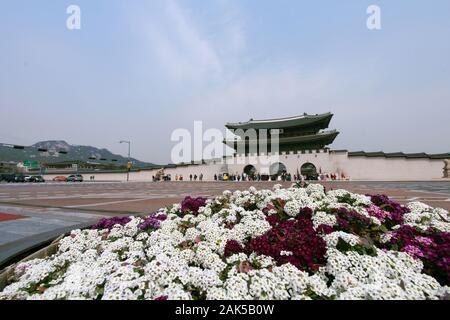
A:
74,153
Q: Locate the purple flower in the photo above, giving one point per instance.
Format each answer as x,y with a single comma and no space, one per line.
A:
232,247
396,209
376,212
297,236
413,251
192,205
425,241
109,223
153,221
325,229
431,247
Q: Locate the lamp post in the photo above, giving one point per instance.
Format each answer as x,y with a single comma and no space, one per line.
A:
129,158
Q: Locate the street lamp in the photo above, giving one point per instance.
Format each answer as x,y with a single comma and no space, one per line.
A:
129,158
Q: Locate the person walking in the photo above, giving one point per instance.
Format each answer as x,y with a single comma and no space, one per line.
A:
190,177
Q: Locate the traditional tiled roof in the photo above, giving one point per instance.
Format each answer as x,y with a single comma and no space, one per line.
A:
321,120
421,155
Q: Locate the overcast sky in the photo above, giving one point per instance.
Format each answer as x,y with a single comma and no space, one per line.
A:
140,69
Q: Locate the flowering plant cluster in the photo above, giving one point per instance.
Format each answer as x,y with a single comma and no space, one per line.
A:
109,223
433,248
192,205
153,221
294,243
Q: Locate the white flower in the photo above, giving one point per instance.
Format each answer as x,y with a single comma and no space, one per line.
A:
292,208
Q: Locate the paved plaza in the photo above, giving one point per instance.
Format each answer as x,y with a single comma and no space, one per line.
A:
35,213
141,197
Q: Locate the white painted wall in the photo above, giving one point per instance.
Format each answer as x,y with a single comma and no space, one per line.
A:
355,168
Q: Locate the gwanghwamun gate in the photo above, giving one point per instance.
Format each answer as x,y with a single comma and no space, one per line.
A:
302,149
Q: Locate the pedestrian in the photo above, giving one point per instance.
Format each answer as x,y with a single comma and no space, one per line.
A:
190,177
215,177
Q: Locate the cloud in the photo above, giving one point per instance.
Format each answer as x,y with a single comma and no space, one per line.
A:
193,44
264,93
186,47
181,50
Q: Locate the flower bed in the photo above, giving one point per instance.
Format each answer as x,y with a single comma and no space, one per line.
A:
295,243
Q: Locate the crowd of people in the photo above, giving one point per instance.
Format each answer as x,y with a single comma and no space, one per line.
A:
320,177
252,177
284,176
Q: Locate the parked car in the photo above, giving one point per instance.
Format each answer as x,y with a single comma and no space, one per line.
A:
12,178
19,178
60,178
75,178
36,179
7,177
224,177
27,178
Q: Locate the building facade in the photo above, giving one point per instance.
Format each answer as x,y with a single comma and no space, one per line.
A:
303,149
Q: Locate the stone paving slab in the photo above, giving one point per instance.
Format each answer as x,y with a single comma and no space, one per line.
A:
65,202
140,206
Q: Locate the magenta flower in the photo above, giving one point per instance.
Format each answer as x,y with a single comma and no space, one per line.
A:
297,236
192,205
396,209
376,212
109,223
153,221
431,247
413,251
232,247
